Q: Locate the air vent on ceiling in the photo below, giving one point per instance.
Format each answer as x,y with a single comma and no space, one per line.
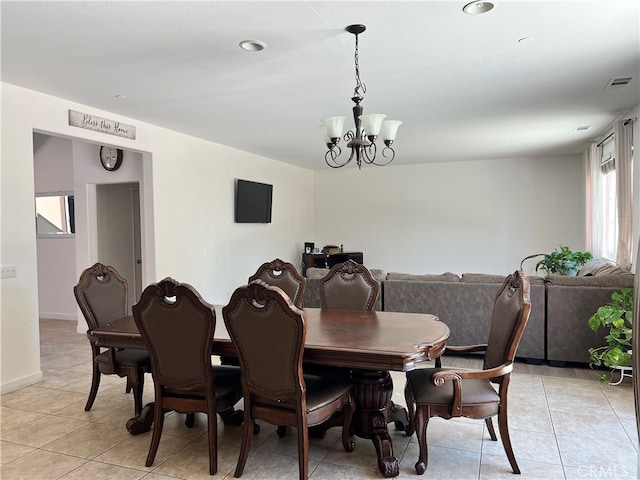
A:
619,82
581,128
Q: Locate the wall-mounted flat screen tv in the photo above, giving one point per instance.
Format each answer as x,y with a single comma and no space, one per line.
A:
253,202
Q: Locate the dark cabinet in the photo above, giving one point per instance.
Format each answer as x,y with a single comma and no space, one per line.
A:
328,260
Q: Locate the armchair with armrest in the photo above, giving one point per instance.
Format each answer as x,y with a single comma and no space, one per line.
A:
450,393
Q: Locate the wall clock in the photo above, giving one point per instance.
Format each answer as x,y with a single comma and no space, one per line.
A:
111,158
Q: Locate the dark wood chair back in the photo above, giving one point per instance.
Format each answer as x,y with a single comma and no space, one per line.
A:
284,275
177,326
269,333
511,310
349,286
102,296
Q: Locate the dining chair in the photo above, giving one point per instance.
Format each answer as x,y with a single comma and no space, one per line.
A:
449,393
177,326
281,274
349,286
102,295
269,333
284,275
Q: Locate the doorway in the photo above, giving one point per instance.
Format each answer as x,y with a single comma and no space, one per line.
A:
111,234
118,232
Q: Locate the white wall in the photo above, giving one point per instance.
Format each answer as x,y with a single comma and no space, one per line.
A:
196,238
187,214
459,217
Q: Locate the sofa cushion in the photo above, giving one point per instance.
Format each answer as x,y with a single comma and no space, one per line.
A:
482,278
536,280
621,280
444,277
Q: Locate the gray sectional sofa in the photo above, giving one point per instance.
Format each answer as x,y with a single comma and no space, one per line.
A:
557,330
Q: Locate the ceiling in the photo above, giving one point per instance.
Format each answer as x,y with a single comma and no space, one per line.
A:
516,81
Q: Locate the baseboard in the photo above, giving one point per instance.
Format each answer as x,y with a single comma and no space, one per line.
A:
20,383
59,316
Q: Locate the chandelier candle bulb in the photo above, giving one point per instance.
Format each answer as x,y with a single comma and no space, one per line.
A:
389,130
333,127
371,124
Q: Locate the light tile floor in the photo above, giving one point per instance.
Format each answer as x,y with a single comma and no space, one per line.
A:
564,425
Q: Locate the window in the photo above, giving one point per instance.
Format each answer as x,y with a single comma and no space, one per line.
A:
609,196
55,214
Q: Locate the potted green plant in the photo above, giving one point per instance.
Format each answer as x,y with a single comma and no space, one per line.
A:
561,261
617,317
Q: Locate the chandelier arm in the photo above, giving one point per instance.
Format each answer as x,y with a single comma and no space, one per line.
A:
331,156
384,154
370,152
349,135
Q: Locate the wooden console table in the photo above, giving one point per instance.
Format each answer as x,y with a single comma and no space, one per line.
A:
328,260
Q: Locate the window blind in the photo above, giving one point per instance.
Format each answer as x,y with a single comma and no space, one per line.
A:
608,159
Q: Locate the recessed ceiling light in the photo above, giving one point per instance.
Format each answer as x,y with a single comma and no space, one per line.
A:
525,40
581,128
477,7
121,97
253,45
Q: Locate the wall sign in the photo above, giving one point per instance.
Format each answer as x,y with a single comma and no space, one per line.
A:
99,124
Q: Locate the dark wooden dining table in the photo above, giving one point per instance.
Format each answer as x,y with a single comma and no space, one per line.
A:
369,343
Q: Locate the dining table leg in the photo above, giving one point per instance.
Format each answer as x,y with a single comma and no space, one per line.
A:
372,392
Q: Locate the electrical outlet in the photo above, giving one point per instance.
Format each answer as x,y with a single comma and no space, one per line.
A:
7,271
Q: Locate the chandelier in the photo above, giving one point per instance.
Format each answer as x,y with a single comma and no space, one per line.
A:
361,140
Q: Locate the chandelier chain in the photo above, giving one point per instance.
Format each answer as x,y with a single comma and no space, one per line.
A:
361,88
